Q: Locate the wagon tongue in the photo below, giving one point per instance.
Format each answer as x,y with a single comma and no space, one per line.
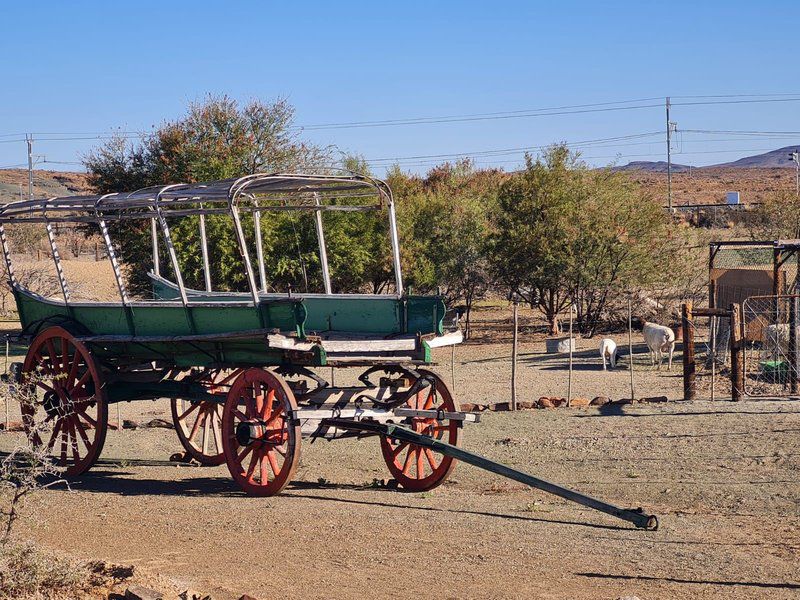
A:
636,516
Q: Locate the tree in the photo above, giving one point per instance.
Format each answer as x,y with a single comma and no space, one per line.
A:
216,139
777,217
530,252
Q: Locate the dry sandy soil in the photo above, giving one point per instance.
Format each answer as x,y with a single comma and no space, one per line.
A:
722,477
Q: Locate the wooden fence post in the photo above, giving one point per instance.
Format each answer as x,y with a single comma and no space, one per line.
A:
689,366
793,374
514,358
737,357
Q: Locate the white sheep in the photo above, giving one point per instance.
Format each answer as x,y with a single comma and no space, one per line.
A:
608,351
659,339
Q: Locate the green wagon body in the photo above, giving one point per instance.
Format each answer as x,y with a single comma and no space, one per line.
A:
235,366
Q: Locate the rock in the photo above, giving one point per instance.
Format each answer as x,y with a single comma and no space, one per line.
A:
161,423
193,595
180,457
628,598
545,402
129,424
579,402
139,592
525,405
599,401
12,426
654,399
500,406
247,597
625,401
558,401
469,407
559,345
107,569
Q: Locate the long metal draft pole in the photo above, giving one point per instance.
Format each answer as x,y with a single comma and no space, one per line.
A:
637,517
323,251
204,252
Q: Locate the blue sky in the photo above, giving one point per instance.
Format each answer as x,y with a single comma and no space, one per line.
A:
84,67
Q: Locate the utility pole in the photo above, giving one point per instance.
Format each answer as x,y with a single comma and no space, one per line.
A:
669,158
795,157
29,140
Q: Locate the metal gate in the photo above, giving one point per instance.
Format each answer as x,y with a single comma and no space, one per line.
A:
770,334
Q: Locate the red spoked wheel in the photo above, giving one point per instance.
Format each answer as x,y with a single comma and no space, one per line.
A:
61,377
416,468
260,433
198,423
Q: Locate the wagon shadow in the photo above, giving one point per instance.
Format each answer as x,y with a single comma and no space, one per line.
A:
125,483
757,584
480,513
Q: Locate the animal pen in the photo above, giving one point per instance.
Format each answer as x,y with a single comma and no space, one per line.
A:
243,369
748,335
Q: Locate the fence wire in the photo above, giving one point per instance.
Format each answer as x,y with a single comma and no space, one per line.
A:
771,335
712,358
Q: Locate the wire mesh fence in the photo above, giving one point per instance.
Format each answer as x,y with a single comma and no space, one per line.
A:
711,358
771,327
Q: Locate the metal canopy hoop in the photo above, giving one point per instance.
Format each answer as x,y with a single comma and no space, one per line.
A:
256,194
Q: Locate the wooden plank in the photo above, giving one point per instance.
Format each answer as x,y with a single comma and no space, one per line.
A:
737,357
448,339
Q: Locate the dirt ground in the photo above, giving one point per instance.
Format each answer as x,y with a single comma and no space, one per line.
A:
722,478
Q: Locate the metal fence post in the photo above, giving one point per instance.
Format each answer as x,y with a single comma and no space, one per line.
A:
737,358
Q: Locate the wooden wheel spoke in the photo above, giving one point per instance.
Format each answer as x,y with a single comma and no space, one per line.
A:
399,449
73,370
407,463
244,453
64,354
81,412
54,435
263,468
83,380
74,441
45,387
431,459
82,431
54,361
201,417
273,463
217,429
206,429
259,400
240,414
430,401
192,408
268,406
255,458
420,464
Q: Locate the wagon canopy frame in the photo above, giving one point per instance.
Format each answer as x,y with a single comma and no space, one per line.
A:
254,194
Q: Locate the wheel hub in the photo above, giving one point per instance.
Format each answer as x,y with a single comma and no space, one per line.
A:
254,430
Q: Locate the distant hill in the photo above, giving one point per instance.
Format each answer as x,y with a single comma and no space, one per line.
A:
658,166
774,159
14,184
